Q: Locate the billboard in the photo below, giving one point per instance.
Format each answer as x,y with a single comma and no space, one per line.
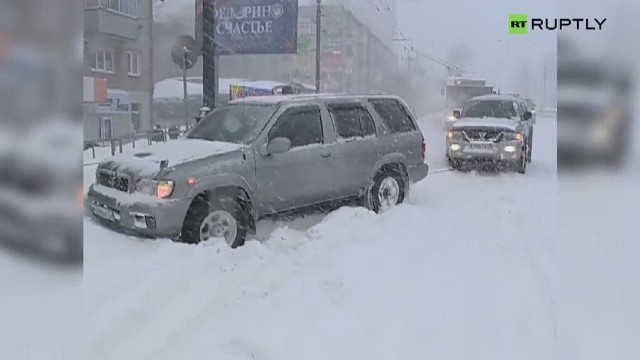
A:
239,92
251,26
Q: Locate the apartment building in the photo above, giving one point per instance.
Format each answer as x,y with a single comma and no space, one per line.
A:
118,38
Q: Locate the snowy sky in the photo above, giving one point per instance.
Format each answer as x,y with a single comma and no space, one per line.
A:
436,27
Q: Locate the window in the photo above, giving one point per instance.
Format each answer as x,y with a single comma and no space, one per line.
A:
352,120
133,62
135,116
394,115
303,126
368,126
128,7
106,128
304,26
104,61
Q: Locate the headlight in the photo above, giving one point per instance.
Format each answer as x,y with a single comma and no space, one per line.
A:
451,118
146,186
164,189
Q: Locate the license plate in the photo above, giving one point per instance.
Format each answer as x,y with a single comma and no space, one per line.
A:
104,213
481,146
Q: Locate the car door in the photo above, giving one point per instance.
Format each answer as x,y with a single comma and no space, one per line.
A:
356,146
525,124
403,135
304,174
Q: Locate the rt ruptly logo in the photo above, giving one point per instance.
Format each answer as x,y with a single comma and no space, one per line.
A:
518,24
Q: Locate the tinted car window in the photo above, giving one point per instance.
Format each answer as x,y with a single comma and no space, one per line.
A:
394,115
366,121
346,120
303,126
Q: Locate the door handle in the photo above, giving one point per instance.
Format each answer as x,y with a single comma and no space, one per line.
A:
325,155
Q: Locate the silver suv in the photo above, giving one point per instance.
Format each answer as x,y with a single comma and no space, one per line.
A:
259,156
492,128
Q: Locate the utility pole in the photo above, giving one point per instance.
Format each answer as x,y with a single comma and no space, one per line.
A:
318,38
209,73
185,66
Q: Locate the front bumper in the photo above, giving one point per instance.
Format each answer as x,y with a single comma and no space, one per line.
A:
487,151
419,172
153,218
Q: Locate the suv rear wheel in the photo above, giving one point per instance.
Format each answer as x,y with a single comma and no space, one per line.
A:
215,217
387,190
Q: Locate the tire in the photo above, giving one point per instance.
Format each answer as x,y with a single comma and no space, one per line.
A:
522,162
224,212
454,163
386,179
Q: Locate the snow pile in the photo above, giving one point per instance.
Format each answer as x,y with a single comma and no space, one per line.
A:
469,267
459,271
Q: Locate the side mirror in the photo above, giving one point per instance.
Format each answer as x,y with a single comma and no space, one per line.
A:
277,146
533,116
527,115
457,114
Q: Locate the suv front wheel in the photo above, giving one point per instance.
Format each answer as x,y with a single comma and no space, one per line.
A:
215,217
521,164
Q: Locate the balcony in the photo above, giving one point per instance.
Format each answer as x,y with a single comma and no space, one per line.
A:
110,22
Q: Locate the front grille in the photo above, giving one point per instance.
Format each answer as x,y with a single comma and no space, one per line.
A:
482,135
113,180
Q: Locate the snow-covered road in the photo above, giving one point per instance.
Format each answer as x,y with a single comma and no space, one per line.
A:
462,270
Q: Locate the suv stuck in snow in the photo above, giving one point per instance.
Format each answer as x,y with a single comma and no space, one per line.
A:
492,128
263,155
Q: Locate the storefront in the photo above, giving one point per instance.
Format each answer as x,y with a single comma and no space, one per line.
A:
109,119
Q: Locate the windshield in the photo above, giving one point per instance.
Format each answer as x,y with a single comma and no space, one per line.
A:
490,108
237,123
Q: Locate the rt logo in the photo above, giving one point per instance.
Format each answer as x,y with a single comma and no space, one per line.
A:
518,24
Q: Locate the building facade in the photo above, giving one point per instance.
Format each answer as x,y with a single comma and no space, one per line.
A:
118,42
357,53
